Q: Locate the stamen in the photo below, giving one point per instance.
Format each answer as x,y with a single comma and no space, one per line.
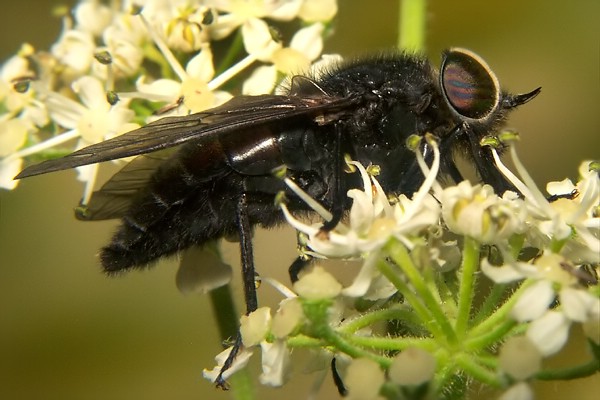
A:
56,140
312,203
280,287
231,72
164,49
89,184
430,179
528,180
302,227
365,178
437,188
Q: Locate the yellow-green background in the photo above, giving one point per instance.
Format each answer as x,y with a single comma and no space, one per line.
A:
68,332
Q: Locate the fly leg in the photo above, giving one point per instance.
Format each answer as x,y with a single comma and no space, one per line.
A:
338,189
248,277
337,211
338,195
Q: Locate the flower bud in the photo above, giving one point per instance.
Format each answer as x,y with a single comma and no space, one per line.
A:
412,366
318,284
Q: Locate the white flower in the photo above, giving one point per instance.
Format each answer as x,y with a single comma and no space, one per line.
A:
239,363
239,12
124,40
75,49
477,212
372,221
185,30
92,121
548,329
305,47
194,87
572,221
92,17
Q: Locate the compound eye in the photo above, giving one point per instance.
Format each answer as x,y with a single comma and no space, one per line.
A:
470,87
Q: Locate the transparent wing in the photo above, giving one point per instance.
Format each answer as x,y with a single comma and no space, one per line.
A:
113,199
237,114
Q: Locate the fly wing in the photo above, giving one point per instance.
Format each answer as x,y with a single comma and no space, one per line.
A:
237,114
114,198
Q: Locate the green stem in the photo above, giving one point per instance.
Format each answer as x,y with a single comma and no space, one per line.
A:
478,371
411,298
580,371
401,313
490,337
394,343
227,321
411,33
501,313
317,311
233,53
400,256
224,312
470,263
490,303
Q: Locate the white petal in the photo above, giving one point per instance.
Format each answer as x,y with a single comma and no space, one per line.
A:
363,280
317,284
503,274
8,169
160,89
241,360
577,303
201,270
550,332
275,363
562,187
363,378
261,81
258,39
201,66
412,366
309,41
286,10
533,302
13,134
255,326
519,391
318,10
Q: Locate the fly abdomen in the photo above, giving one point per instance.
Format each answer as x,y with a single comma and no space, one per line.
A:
159,220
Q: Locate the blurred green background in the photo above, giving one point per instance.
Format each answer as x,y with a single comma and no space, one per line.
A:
68,332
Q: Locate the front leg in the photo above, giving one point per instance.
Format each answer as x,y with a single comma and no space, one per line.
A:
248,278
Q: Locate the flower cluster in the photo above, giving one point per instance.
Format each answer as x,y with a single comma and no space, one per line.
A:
420,259
115,67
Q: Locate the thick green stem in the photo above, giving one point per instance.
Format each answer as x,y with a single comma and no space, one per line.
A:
411,32
227,322
317,311
467,284
580,371
400,255
501,313
478,371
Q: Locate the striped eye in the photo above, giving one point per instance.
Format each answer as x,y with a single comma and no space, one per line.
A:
470,87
